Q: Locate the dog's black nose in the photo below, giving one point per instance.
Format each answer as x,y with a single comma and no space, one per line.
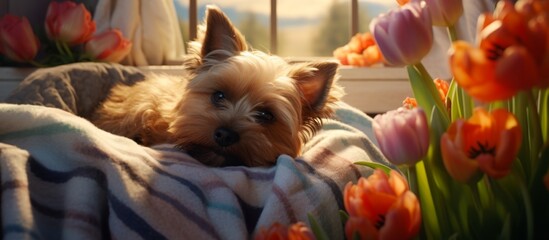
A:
225,137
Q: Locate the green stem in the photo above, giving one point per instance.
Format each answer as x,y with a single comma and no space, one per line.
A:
412,179
476,198
60,48
430,213
37,64
543,109
534,130
64,50
519,102
67,50
528,210
414,187
452,33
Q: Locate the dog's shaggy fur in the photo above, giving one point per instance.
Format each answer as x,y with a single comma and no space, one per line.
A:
235,106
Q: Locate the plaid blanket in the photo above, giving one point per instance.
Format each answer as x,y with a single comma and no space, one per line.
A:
64,178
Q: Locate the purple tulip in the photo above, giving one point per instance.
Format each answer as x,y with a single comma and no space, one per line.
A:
403,135
404,35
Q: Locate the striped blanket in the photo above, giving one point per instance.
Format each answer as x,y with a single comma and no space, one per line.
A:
63,178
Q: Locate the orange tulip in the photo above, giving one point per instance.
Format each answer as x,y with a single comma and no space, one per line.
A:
488,80
296,231
512,54
299,231
381,207
109,46
486,142
69,22
442,87
17,40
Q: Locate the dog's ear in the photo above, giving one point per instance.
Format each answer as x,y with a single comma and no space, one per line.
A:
221,34
314,81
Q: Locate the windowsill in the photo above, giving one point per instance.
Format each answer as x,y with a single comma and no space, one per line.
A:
372,89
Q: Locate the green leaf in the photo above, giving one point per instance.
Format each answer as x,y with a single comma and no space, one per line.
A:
518,108
506,229
319,233
540,196
455,104
343,216
375,165
425,91
543,109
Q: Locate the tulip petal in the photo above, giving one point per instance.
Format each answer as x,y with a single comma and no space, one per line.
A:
516,63
361,226
458,165
403,220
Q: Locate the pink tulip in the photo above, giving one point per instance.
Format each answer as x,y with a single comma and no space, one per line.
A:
109,46
69,22
403,135
404,35
17,40
445,12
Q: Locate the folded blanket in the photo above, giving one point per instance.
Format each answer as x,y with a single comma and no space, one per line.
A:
64,178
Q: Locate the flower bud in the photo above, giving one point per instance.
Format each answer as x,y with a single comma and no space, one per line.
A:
17,40
69,22
404,35
109,46
403,135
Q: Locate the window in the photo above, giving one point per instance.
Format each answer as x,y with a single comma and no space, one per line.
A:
305,28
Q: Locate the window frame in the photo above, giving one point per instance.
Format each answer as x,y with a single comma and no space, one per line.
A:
193,22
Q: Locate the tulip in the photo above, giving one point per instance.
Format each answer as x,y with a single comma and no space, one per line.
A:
442,88
109,46
275,231
512,53
296,231
483,78
404,35
17,40
381,207
445,12
299,231
403,135
486,142
69,22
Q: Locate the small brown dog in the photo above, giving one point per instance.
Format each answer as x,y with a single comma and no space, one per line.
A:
236,106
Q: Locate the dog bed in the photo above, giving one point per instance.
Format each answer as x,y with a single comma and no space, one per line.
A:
62,177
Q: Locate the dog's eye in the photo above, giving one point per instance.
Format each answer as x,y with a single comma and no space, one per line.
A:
217,98
264,116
